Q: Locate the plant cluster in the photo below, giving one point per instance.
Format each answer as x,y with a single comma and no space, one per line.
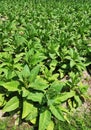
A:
44,47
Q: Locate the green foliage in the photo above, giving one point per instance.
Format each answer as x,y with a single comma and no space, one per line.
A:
11,105
77,122
44,49
44,120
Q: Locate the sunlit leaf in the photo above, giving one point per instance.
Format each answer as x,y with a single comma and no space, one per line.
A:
10,86
39,84
12,104
57,112
44,119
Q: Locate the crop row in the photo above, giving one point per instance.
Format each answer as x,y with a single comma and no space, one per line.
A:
44,48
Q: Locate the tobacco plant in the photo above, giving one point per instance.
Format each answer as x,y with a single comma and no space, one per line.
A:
44,48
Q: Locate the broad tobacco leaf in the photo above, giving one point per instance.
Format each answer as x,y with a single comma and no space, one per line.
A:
57,112
10,86
12,104
64,96
44,119
28,109
35,96
39,84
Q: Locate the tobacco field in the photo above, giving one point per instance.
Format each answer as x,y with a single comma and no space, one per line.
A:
44,48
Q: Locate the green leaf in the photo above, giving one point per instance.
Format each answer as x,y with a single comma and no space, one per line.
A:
44,119
57,112
34,72
78,100
25,92
36,96
72,63
64,96
52,56
64,66
29,54
33,121
71,52
2,100
83,87
63,109
11,86
28,108
26,71
37,58
53,63
12,104
57,86
18,66
20,40
68,57
53,77
50,126
18,57
80,66
33,115
39,84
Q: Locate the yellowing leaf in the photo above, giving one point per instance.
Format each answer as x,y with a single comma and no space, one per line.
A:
33,121
50,126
